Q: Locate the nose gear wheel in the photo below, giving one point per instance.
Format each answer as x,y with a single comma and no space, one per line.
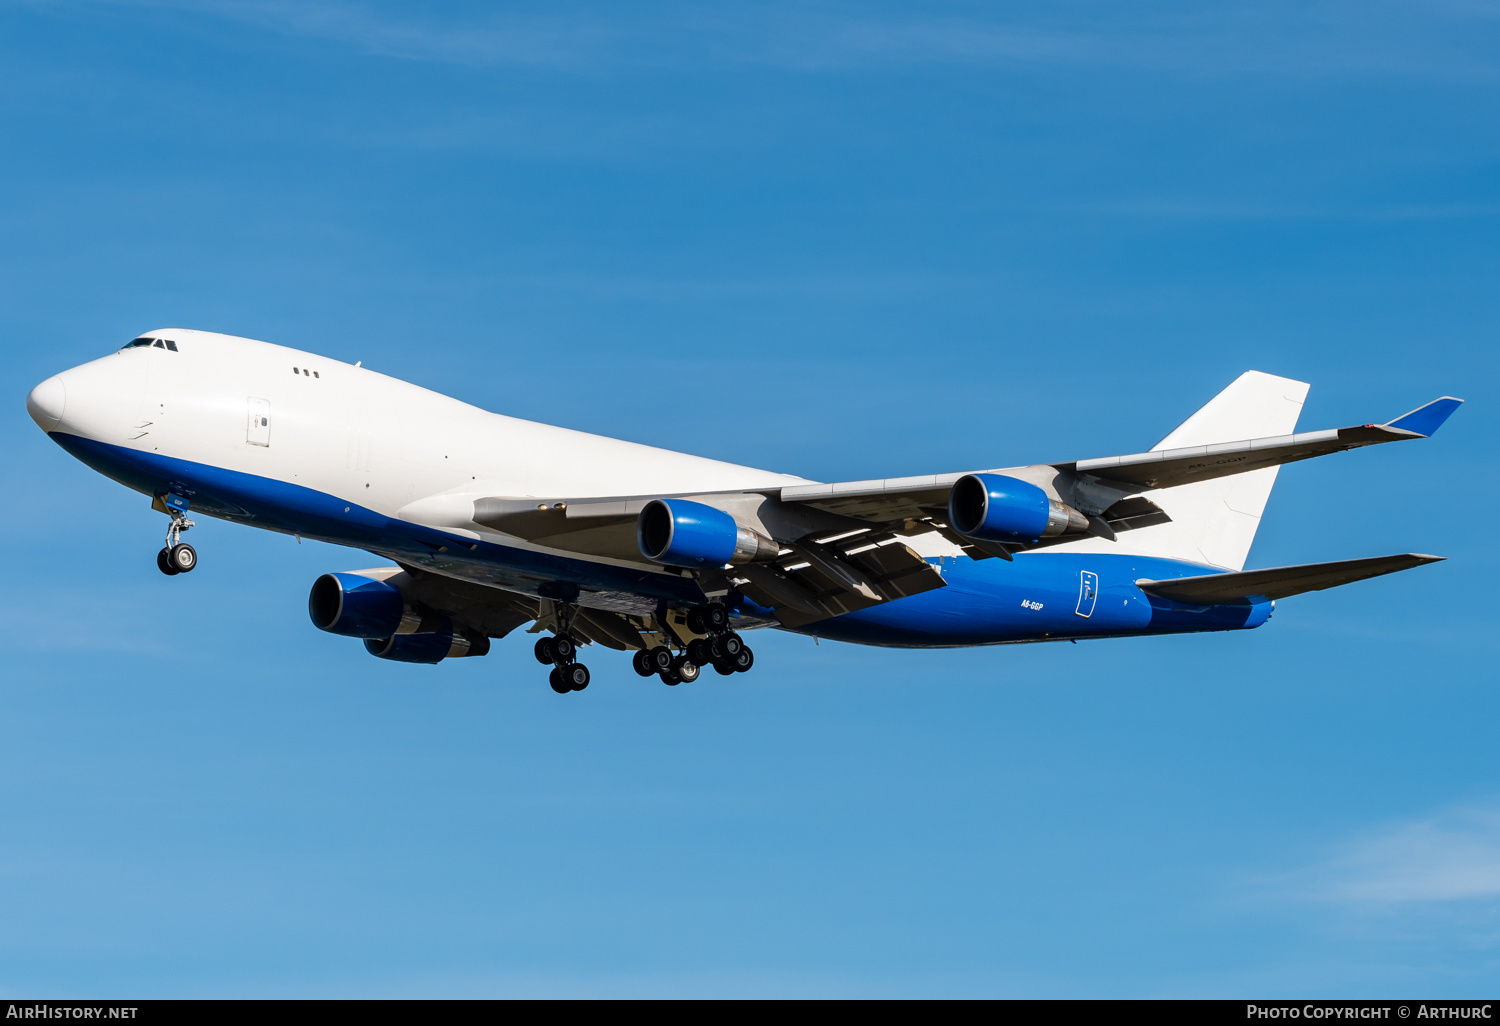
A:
177,557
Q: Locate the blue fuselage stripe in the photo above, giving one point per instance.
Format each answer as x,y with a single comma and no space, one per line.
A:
1040,596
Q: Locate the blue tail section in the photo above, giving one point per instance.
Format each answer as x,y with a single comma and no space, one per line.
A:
1038,596
1425,420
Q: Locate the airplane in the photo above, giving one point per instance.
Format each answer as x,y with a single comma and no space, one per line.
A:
494,523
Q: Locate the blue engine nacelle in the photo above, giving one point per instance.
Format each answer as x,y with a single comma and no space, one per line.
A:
992,507
355,606
680,532
429,646
360,607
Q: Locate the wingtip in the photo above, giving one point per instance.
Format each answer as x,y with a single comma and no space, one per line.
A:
1426,419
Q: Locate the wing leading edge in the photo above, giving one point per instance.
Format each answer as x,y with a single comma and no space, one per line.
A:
1168,468
896,498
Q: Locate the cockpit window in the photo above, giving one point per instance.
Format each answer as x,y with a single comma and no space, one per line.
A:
137,343
147,340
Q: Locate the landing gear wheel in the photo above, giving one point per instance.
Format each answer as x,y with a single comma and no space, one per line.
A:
731,645
744,660
700,651
543,651
641,662
685,669
724,667
669,678
555,678
182,557
563,649
576,676
696,621
715,616
164,563
659,659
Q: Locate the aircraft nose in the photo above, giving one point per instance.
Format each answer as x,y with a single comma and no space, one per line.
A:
46,403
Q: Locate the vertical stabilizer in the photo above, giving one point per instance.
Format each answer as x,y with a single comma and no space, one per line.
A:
1214,522
1217,519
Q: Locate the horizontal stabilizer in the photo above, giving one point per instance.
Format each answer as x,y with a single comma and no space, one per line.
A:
1279,582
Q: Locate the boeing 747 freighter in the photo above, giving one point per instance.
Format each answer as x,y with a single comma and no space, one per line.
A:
493,523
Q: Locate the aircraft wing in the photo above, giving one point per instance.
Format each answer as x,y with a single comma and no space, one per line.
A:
1167,468
841,545
915,497
1279,582
817,579
826,567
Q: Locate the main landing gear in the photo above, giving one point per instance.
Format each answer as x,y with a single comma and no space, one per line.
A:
722,649
566,675
177,557
718,647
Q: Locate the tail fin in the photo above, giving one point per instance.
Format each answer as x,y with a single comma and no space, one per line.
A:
1214,522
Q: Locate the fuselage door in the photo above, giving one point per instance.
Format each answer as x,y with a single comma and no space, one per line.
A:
258,422
1088,592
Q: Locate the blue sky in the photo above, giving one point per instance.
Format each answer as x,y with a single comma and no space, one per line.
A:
838,240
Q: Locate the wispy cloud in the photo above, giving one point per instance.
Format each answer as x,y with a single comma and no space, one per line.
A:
1328,38
1191,208
1452,856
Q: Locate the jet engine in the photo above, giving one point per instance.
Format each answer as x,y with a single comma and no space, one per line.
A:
429,646
356,606
992,507
680,532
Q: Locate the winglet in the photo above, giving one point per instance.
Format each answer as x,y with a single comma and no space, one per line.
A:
1425,420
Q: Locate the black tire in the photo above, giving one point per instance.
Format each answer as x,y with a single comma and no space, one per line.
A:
696,622
731,645
563,649
723,667
659,659
698,651
164,563
555,678
686,670
716,616
744,660
183,557
669,678
576,676
543,651
641,662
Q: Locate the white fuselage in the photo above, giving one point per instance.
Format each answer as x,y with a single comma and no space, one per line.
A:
388,445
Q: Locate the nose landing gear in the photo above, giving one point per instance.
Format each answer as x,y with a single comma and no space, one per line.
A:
177,557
